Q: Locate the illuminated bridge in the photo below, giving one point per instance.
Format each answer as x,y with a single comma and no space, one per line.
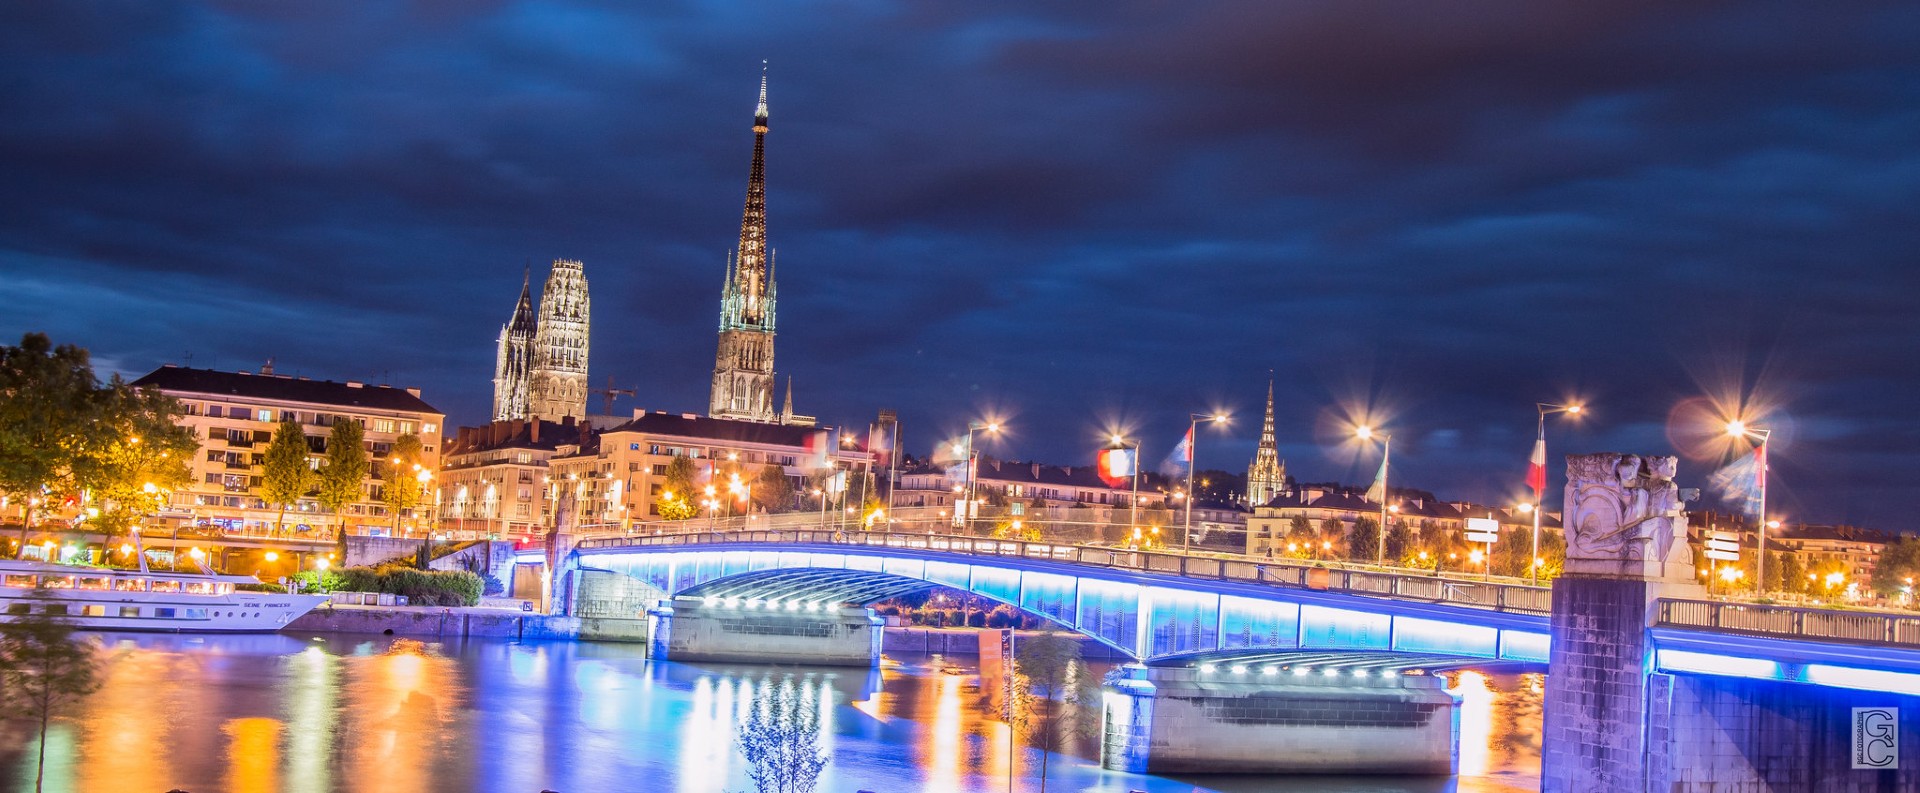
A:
1754,694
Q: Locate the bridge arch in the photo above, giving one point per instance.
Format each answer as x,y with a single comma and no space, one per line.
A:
1147,617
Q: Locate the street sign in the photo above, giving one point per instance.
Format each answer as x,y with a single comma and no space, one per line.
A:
1723,547
1483,530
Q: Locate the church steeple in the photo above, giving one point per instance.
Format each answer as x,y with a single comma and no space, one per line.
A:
513,359
743,368
1267,476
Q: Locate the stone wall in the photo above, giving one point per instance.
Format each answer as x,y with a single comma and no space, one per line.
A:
1596,701
599,593
687,630
434,621
1195,721
1734,735
364,551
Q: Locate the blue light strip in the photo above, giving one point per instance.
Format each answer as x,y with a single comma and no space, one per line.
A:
1863,679
1717,664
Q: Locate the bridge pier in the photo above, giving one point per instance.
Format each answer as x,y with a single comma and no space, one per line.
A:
732,630
1232,719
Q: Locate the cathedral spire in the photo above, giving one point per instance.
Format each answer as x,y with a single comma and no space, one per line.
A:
743,381
1267,476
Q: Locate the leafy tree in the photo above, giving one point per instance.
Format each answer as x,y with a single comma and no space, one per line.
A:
1055,695
402,488
1015,527
1774,577
1898,563
345,469
46,406
676,500
1399,540
1301,534
772,490
680,475
136,455
288,476
1364,546
43,667
781,739
1333,535
1793,573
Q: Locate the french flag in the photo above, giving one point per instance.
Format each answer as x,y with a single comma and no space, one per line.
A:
1537,469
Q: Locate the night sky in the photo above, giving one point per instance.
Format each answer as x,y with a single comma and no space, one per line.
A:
1072,218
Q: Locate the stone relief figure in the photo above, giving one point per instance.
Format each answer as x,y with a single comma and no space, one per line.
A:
1623,507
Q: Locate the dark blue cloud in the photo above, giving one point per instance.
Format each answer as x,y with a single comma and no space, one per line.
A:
1080,217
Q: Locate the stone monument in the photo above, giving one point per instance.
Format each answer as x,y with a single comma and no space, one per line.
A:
1626,548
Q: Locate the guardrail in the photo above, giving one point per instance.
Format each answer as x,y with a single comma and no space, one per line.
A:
1791,622
1452,591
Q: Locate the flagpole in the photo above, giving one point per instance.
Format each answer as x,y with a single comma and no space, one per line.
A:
1186,535
1380,540
1540,499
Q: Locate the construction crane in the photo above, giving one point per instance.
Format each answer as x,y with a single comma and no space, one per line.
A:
607,395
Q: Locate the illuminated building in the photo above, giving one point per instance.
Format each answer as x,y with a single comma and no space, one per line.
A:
1267,476
743,365
513,363
540,367
495,477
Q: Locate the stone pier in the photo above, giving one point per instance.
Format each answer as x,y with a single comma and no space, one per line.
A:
736,631
1235,720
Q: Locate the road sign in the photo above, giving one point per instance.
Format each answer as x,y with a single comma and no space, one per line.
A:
1723,547
1483,530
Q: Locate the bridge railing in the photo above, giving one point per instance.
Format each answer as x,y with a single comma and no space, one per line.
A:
1479,594
1791,622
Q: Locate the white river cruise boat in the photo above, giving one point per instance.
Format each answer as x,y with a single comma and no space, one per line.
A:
138,600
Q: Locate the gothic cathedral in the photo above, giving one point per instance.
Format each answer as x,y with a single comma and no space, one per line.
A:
743,367
1267,476
540,371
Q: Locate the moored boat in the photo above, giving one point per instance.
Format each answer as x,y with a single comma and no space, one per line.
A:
95,598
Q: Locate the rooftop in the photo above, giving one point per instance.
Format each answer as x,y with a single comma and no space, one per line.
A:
285,388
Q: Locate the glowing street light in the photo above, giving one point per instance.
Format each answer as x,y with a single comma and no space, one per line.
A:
1537,470
973,465
1366,432
1739,429
1193,459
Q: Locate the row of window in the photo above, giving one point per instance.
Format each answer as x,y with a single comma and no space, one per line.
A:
400,426
129,612
122,584
710,453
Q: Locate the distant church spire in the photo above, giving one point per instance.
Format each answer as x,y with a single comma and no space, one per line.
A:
1267,476
513,359
743,365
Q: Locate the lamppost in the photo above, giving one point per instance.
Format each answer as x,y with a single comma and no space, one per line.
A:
1537,473
1366,433
1193,422
1739,429
973,467
1133,499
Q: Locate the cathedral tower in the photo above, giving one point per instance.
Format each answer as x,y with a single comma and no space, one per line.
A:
1267,476
558,386
513,365
743,366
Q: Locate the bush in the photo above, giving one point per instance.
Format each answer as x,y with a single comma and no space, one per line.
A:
420,587
275,589
320,581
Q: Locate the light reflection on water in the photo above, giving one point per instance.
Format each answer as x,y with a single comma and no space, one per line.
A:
269,713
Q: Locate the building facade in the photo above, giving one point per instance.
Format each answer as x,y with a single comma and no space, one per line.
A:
617,475
513,361
1267,475
557,388
494,478
234,414
743,366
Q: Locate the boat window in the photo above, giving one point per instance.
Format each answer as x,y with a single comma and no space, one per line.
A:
196,587
58,581
130,584
55,609
163,612
166,586
196,614
93,610
91,582
17,608
223,589
22,581
129,611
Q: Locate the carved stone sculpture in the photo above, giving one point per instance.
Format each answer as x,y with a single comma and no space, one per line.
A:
1625,516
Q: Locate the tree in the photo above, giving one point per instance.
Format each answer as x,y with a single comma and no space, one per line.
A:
1793,573
135,456
288,476
46,405
1896,565
781,739
1399,541
676,501
1301,535
1055,696
43,666
1774,579
403,485
345,469
1333,535
1365,544
772,490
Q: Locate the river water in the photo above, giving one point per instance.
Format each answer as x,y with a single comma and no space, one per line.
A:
297,713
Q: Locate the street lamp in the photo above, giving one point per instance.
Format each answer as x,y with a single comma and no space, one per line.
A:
1366,433
1739,429
1133,500
1537,471
973,466
1186,537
